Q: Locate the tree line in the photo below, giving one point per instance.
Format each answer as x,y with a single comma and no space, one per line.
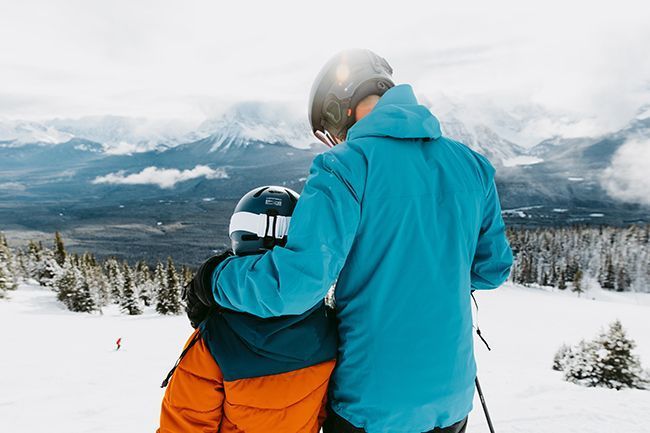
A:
617,258
84,284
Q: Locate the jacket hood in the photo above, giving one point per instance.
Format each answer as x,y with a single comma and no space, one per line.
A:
397,115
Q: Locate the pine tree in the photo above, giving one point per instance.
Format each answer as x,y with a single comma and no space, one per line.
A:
577,282
159,280
609,280
606,361
99,281
59,249
81,299
561,282
50,271
617,366
545,279
143,283
4,282
21,264
66,283
7,273
169,294
115,280
623,280
561,357
129,303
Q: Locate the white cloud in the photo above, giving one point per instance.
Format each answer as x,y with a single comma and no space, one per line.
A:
124,148
627,179
163,177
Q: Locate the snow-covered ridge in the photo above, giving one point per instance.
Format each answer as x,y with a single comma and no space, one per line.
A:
240,125
15,133
250,122
508,136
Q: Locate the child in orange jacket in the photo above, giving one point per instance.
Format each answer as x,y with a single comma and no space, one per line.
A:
241,373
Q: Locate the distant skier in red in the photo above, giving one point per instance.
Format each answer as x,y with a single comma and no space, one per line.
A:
118,344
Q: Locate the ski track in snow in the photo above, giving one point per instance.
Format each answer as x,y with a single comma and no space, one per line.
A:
59,371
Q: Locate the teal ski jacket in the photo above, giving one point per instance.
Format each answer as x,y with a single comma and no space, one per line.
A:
407,223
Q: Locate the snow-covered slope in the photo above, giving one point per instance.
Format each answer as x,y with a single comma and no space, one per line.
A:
254,122
61,374
242,124
483,140
14,133
126,135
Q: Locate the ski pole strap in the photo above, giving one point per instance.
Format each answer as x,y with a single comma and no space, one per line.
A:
196,338
478,329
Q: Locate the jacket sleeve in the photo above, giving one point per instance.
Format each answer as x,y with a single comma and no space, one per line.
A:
493,256
291,279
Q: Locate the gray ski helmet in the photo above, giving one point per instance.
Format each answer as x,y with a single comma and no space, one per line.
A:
261,219
344,81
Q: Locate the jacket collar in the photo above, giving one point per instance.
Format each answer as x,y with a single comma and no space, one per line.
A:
398,115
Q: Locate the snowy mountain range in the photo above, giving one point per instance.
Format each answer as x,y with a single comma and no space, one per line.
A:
62,173
118,135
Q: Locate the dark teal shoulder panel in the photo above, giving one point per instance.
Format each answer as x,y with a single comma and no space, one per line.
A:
247,346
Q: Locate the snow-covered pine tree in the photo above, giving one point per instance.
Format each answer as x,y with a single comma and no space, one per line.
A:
20,264
607,361
169,294
185,277
34,261
159,280
129,302
100,287
561,357
623,280
577,282
561,282
144,284
115,279
617,367
65,283
8,280
59,249
608,280
81,299
542,254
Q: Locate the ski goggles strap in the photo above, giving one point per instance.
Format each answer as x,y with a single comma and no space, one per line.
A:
262,225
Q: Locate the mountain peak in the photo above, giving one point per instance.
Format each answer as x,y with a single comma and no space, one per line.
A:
15,133
248,123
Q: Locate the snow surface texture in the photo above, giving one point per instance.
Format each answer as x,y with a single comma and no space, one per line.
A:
59,371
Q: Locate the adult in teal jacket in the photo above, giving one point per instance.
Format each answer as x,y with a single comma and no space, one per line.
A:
406,222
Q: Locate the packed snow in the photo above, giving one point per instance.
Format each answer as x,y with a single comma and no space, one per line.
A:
62,374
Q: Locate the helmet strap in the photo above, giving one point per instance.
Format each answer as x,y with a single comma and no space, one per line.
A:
325,138
269,238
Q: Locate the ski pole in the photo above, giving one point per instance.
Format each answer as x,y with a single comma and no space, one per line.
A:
485,409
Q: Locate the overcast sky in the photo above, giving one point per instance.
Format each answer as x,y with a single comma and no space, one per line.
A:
188,59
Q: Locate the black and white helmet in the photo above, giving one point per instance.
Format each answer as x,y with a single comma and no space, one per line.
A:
261,219
345,80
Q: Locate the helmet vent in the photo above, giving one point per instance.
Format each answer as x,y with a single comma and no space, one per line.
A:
260,191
